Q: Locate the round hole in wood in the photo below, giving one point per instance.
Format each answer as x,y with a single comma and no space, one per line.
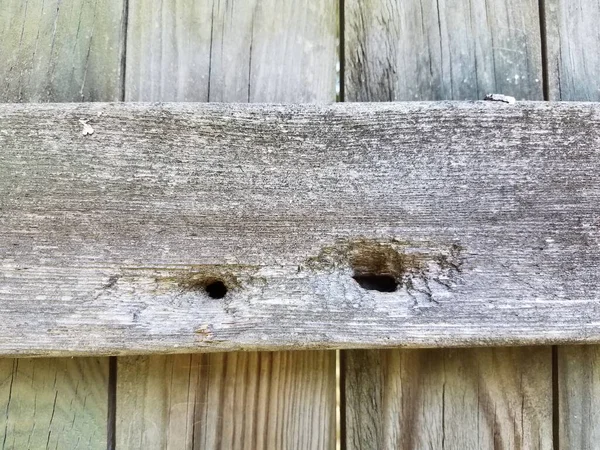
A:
377,282
216,289
377,267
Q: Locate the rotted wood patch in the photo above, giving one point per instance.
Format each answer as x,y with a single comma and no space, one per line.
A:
426,275
371,273
184,227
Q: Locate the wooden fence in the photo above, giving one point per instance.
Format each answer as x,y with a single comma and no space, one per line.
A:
60,294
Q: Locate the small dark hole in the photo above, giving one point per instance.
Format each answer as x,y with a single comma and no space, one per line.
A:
373,282
216,289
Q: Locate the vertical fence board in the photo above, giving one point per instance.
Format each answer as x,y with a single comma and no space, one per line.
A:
61,50
442,49
53,403
225,51
453,399
578,399
58,51
257,51
573,40
232,400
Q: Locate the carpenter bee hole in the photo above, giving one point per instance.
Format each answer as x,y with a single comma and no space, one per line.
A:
377,267
216,289
376,282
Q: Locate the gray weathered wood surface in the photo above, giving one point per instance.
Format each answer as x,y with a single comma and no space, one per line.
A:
227,400
485,214
573,37
453,399
61,50
257,50
442,50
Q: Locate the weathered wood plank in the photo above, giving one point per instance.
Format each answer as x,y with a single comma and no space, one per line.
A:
442,50
225,51
452,399
479,214
61,50
573,40
255,50
227,400
57,50
53,403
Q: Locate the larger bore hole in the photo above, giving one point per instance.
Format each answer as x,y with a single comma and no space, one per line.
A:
216,289
377,282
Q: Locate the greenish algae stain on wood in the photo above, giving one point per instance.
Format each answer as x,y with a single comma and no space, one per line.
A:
53,403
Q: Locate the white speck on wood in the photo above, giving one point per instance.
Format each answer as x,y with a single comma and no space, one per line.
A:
500,98
87,128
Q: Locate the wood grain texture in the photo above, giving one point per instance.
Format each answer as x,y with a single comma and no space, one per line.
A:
243,400
61,50
281,51
573,68
53,403
57,51
468,399
442,49
482,213
452,399
573,40
209,50
579,390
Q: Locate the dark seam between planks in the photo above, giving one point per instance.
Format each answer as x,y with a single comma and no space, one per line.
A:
124,50
342,386
111,417
554,362
341,50
341,354
544,48
210,51
555,400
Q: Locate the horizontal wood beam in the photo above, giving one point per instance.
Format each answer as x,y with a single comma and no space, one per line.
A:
138,228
